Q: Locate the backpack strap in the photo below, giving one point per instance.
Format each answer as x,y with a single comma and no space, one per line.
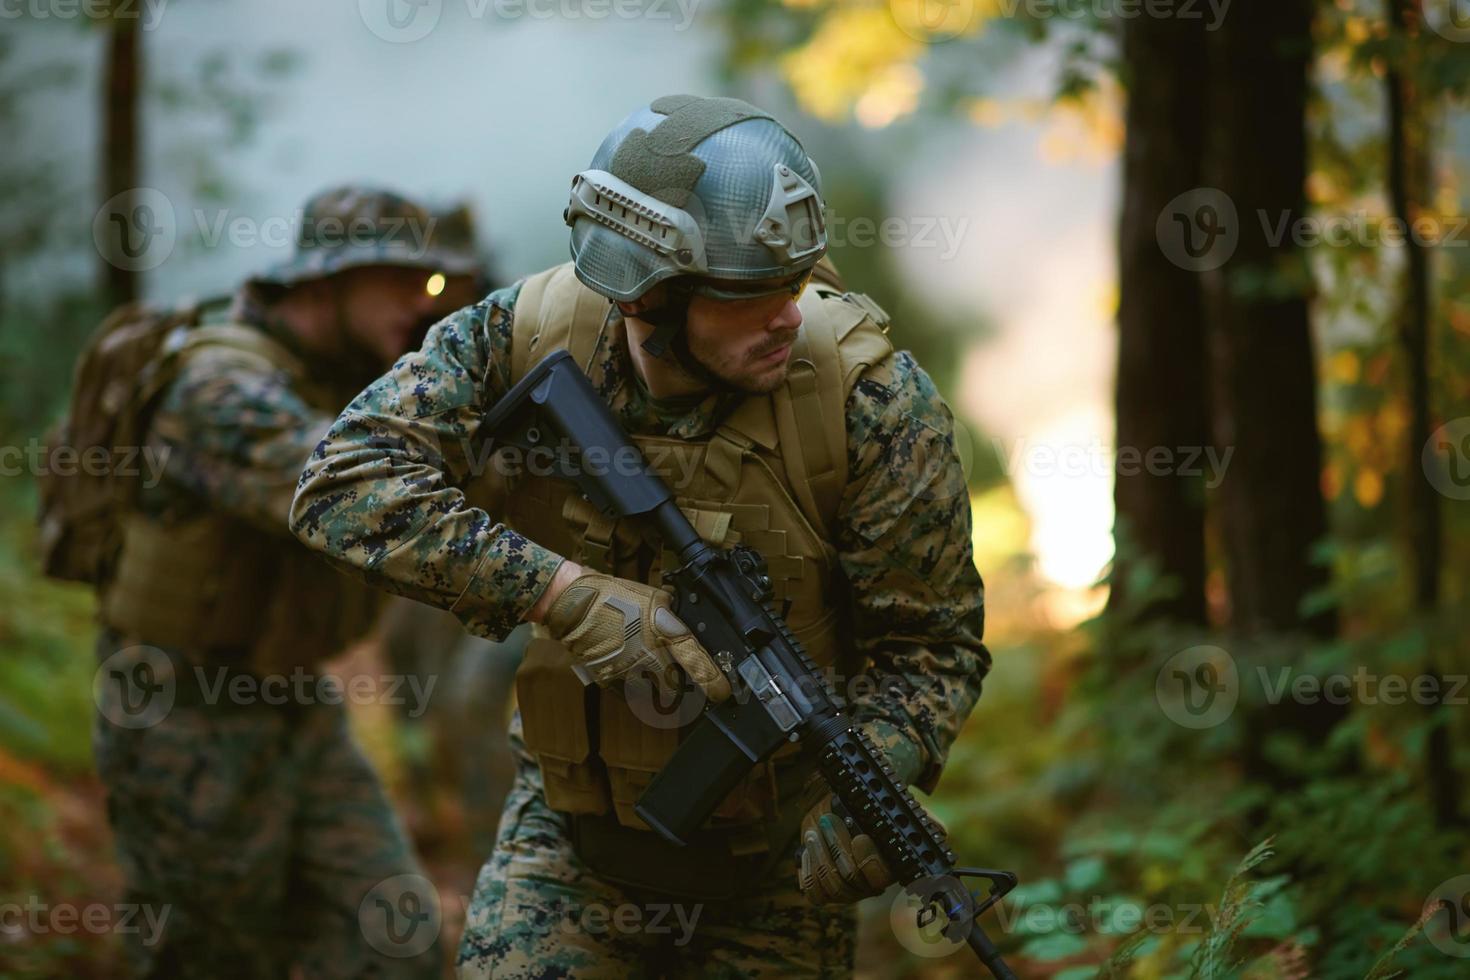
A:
553,311
239,338
841,335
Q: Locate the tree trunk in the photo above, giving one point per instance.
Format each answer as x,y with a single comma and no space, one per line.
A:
1160,398
1408,187
1261,357
119,164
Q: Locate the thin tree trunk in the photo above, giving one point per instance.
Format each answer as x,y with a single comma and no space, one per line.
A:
119,164
1408,188
1160,398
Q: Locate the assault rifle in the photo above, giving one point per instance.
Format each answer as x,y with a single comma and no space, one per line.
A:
725,596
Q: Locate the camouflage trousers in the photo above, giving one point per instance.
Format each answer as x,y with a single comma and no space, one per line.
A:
539,912
256,835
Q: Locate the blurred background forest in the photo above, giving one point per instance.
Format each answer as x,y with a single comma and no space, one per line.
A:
1213,409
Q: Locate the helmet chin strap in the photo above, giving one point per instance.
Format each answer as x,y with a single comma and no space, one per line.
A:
669,321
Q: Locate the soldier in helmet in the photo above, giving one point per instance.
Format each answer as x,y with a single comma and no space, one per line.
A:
781,417
240,805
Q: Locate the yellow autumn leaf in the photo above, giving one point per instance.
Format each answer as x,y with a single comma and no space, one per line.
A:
852,51
1368,488
1331,481
1393,422
1357,435
894,93
1344,367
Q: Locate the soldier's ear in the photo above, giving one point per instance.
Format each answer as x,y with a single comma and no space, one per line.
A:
648,301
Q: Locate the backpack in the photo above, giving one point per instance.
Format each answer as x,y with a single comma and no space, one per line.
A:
124,367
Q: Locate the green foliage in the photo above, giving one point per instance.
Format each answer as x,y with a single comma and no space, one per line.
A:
46,633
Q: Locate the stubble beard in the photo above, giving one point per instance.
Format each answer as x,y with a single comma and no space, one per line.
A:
744,375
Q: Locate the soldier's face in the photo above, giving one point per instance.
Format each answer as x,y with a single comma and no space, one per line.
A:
382,308
746,343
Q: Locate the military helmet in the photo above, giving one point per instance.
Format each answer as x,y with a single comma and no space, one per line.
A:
700,187
351,226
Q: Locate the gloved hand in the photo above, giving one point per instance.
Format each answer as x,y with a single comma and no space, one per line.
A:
836,863
615,628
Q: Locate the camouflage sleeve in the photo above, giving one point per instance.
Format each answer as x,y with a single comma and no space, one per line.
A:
380,496
904,543
236,434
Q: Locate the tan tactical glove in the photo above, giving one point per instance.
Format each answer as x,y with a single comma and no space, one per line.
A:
616,628
837,864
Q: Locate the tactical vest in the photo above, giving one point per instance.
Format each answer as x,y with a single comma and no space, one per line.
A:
770,476
218,587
